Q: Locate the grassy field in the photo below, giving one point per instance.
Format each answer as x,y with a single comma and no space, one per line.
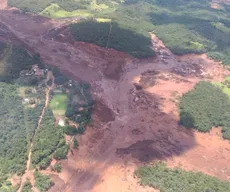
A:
58,104
224,86
112,35
55,11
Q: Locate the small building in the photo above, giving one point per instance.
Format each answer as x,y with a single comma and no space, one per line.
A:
26,100
61,122
37,71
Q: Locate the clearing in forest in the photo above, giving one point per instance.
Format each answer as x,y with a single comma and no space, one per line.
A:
58,104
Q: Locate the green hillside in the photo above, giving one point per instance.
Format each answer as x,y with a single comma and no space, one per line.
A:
185,26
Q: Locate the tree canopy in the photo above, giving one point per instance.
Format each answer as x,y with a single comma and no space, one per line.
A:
204,107
177,180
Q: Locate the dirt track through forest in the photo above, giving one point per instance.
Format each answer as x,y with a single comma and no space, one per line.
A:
29,172
135,120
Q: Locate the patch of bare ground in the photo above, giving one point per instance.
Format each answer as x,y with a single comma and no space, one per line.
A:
135,118
217,2
3,4
215,5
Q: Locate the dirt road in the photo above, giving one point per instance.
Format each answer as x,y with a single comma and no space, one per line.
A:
29,173
135,119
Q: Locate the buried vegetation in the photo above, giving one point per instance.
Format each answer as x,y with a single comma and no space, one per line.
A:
55,11
177,180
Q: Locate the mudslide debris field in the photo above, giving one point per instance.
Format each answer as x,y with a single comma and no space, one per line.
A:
135,118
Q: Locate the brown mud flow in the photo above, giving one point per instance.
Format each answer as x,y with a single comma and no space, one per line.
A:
135,118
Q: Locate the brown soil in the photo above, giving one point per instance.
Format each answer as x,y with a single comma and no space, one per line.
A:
135,119
3,4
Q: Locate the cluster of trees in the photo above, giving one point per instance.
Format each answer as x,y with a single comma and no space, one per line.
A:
18,121
79,107
70,130
37,7
181,40
195,22
91,32
68,5
57,168
168,180
13,132
20,60
184,26
32,114
2,48
42,182
27,187
110,3
204,107
17,125
8,187
111,35
48,142
75,143
60,78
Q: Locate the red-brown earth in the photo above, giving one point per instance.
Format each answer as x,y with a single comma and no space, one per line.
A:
135,118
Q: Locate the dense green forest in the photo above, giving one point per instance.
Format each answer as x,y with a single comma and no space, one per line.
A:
36,7
42,182
21,107
27,187
18,123
185,26
118,38
79,107
14,59
8,187
204,107
177,180
48,141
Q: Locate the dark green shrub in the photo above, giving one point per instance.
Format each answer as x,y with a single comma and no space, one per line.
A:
119,38
61,152
68,130
81,129
204,107
45,163
42,182
57,167
75,143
